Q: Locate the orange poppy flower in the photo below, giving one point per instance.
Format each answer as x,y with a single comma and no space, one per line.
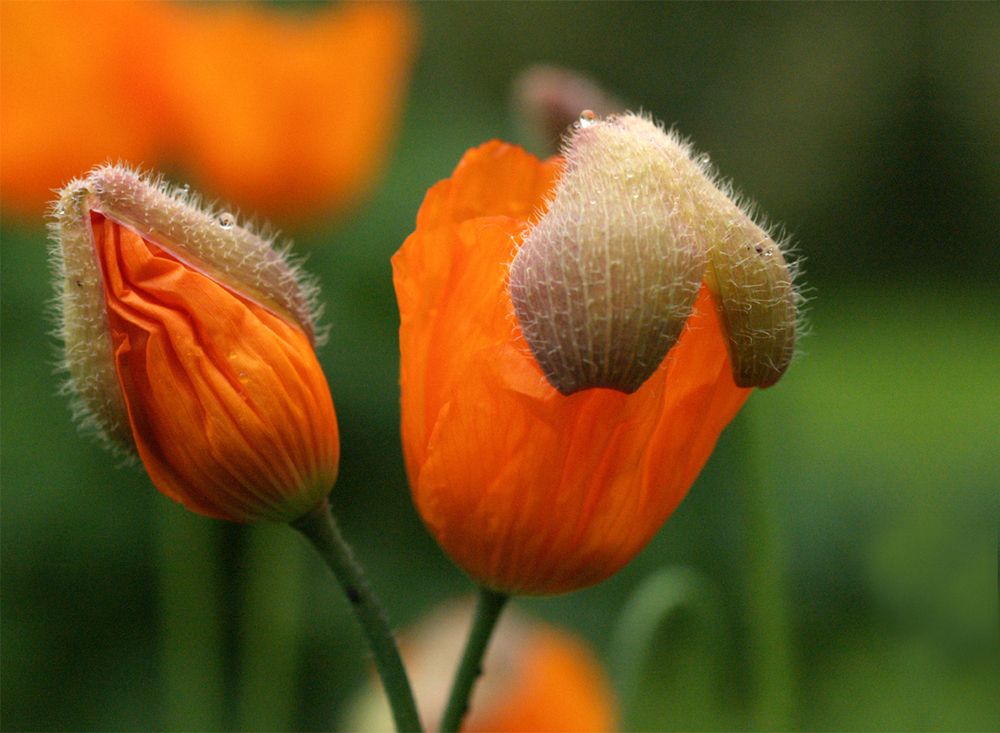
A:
527,489
189,341
536,678
284,113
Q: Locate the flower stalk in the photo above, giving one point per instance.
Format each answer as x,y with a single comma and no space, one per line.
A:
770,643
489,605
191,625
320,528
274,588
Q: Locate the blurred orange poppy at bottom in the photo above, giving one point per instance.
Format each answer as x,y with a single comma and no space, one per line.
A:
537,678
559,687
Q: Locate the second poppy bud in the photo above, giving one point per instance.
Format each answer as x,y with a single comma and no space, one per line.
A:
189,342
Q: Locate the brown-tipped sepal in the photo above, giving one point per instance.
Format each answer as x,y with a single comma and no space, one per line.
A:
604,282
547,101
753,287
747,273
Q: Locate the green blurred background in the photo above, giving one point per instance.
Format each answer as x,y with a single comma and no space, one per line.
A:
844,531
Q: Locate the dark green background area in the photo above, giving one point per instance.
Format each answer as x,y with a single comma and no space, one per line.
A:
846,525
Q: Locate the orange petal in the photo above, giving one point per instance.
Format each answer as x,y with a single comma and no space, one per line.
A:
230,411
495,177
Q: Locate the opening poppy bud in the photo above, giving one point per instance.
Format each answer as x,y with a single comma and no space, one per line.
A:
527,490
750,280
189,342
605,281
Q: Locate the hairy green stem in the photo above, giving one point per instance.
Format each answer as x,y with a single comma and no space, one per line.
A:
489,604
321,529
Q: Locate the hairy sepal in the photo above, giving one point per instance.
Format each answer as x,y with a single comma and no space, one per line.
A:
605,281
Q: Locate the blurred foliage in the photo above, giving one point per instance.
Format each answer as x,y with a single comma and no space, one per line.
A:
871,131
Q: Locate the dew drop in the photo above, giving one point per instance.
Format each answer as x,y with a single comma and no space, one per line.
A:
587,118
226,220
704,159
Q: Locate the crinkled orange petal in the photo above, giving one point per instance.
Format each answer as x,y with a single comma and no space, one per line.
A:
229,408
526,489
80,87
560,688
288,114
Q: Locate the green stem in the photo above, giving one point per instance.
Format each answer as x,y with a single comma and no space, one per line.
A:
191,624
321,529
773,705
489,604
673,616
270,630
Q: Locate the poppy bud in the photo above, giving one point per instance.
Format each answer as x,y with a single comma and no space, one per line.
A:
527,489
188,340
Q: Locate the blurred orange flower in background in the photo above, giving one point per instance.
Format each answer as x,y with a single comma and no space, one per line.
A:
536,678
526,489
80,85
285,113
